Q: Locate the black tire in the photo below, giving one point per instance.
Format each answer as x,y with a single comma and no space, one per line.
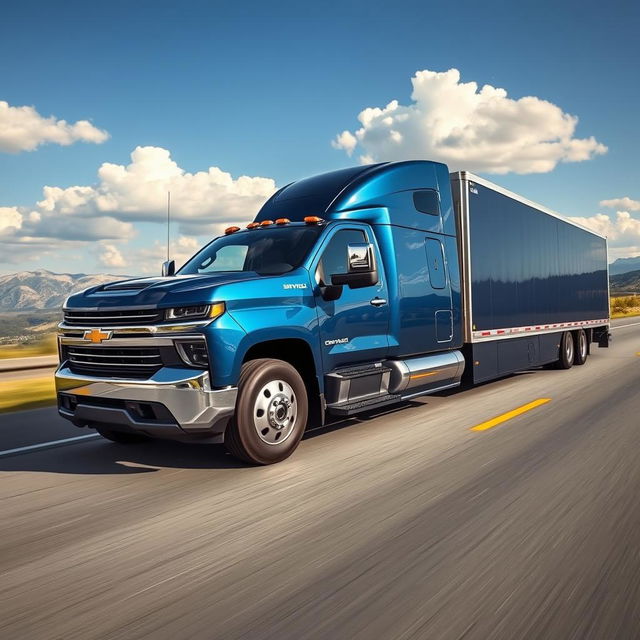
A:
252,435
581,347
566,352
123,437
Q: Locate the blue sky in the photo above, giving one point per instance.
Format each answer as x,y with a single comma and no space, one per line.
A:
262,89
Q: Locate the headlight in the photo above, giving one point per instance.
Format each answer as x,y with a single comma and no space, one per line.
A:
202,311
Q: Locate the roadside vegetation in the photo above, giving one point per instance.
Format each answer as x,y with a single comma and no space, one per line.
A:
27,393
42,346
625,306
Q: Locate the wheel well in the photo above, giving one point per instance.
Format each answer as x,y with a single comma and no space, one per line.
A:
298,354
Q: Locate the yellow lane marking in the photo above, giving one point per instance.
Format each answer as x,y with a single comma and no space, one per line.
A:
489,424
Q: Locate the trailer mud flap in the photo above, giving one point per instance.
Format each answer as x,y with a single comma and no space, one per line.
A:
602,336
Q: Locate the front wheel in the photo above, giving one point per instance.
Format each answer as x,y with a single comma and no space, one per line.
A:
271,412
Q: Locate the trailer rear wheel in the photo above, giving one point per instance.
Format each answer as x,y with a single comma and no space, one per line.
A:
271,412
566,352
581,346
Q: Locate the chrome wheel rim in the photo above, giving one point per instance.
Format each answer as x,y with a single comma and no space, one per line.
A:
569,348
583,345
274,412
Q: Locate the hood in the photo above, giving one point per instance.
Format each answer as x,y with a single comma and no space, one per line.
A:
172,290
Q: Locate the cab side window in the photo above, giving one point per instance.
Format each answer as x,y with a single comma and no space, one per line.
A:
334,258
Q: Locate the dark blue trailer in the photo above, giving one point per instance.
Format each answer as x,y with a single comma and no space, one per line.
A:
351,290
529,277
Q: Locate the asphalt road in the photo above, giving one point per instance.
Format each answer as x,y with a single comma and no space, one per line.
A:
406,524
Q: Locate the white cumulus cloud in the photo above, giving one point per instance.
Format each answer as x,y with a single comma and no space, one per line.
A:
66,219
111,257
10,219
24,129
624,204
467,127
622,232
138,192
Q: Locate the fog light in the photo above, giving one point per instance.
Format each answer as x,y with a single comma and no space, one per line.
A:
194,353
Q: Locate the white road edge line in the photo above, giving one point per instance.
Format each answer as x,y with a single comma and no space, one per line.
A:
622,326
46,445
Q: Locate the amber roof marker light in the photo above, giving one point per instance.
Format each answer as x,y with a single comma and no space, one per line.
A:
283,221
313,220
253,225
266,223
229,230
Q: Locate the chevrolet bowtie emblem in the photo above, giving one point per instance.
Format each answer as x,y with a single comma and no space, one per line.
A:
97,336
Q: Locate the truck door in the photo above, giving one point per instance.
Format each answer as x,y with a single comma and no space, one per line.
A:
353,328
443,313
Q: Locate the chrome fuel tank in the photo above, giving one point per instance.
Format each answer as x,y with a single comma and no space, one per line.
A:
434,370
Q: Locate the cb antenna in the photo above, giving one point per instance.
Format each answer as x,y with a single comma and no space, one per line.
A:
168,223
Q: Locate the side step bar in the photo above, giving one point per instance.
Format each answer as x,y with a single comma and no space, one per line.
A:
350,408
369,386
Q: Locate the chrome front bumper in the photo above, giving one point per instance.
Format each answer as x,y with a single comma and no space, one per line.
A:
176,403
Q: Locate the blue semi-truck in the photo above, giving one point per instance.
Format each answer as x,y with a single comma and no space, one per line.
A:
351,290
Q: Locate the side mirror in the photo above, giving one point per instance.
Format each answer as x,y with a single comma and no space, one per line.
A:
360,257
168,268
362,267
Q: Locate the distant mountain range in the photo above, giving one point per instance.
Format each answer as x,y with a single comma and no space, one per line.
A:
44,290
624,265
625,282
31,290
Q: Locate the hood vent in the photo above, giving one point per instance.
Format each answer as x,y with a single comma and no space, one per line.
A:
130,285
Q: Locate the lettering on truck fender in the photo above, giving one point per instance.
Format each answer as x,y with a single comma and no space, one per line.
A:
328,343
294,286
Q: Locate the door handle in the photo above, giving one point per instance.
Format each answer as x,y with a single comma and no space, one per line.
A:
378,302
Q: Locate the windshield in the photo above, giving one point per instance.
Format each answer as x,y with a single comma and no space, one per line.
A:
271,251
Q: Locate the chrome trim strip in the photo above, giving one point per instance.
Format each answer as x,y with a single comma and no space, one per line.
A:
166,376
141,341
141,307
117,364
141,316
464,247
108,355
535,330
142,329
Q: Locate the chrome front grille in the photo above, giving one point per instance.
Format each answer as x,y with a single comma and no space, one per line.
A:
114,362
112,318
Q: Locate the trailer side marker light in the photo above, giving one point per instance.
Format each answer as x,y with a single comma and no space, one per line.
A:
229,230
416,376
489,424
313,220
283,221
266,223
253,225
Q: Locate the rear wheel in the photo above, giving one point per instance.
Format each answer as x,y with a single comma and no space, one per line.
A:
271,412
122,437
566,353
581,346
